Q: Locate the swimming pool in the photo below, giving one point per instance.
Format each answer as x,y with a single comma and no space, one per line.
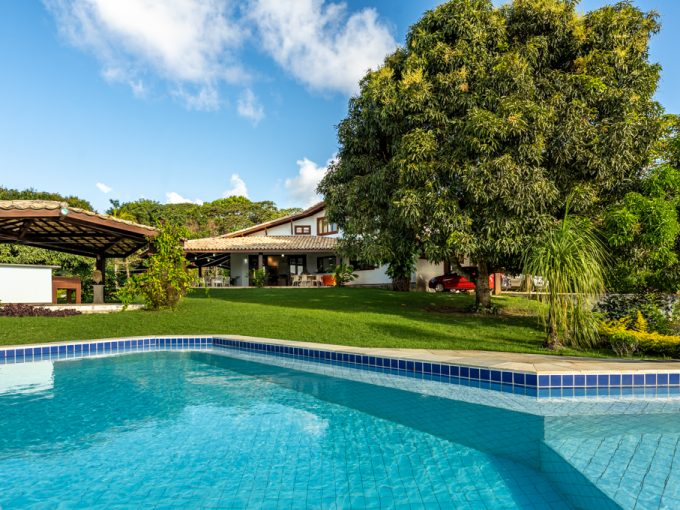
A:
217,427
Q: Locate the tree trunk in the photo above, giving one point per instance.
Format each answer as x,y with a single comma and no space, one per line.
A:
482,289
401,283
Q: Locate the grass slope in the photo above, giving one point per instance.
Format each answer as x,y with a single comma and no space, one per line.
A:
361,317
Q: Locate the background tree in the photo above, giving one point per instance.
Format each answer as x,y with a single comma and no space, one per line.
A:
643,229
468,141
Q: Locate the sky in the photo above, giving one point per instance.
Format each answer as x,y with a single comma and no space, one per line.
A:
195,100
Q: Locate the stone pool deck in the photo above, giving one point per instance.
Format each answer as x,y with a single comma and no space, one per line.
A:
515,361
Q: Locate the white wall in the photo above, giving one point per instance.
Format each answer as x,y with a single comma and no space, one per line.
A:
25,284
376,276
286,230
239,267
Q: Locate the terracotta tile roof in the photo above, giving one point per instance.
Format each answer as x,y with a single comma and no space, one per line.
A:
53,205
279,221
283,244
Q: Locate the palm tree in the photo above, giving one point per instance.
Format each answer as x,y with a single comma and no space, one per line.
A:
572,259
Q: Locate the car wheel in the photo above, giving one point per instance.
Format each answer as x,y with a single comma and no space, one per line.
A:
439,287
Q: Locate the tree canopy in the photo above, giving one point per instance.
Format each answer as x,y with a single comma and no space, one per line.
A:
208,219
643,229
469,141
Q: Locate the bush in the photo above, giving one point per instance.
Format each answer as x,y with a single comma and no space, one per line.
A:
658,310
22,310
166,279
258,277
344,274
625,342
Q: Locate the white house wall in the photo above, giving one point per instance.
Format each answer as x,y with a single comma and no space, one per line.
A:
25,284
239,268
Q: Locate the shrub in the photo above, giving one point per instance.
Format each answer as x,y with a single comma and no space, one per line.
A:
166,279
344,274
658,310
22,310
258,277
625,342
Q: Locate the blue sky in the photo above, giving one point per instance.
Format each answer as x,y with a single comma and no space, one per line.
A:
169,101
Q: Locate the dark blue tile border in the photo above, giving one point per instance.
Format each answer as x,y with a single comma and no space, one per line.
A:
525,383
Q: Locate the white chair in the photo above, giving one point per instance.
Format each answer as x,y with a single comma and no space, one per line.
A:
295,280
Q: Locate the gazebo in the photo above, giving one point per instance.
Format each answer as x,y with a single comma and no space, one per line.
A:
57,226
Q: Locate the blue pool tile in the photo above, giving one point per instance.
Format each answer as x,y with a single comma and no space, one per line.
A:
464,372
506,377
579,380
627,379
662,379
484,374
454,370
591,380
518,378
427,368
446,370
531,380
638,379
418,367
674,379
543,381
650,379
567,381
410,366
614,379
556,380
603,380
436,368
495,376
474,373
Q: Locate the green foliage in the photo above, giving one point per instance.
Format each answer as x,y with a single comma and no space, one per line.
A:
344,274
468,141
31,194
625,341
166,279
571,258
208,219
258,277
643,229
659,311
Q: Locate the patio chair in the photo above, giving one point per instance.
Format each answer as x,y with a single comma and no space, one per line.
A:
295,280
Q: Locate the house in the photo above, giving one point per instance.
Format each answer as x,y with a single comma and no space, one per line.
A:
298,244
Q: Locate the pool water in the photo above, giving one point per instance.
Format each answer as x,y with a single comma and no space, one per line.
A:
217,430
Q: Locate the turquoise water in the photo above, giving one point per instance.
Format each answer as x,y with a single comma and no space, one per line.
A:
203,430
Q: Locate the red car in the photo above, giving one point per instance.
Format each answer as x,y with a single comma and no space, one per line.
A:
454,282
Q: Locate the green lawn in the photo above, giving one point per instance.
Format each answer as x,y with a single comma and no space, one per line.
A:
361,317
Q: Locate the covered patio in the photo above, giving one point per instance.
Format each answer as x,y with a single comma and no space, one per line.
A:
289,260
56,226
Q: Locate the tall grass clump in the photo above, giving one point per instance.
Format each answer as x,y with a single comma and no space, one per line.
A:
572,259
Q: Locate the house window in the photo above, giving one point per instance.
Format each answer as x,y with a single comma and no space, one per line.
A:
296,264
325,264
358,265
323,228
303,230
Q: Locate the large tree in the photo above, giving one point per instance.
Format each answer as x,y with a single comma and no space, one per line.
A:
469,141
642,230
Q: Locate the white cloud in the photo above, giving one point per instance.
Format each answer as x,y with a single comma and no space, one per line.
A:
249,107
319,43
182,41
302,188
190,49
238,187
173,197
104,188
